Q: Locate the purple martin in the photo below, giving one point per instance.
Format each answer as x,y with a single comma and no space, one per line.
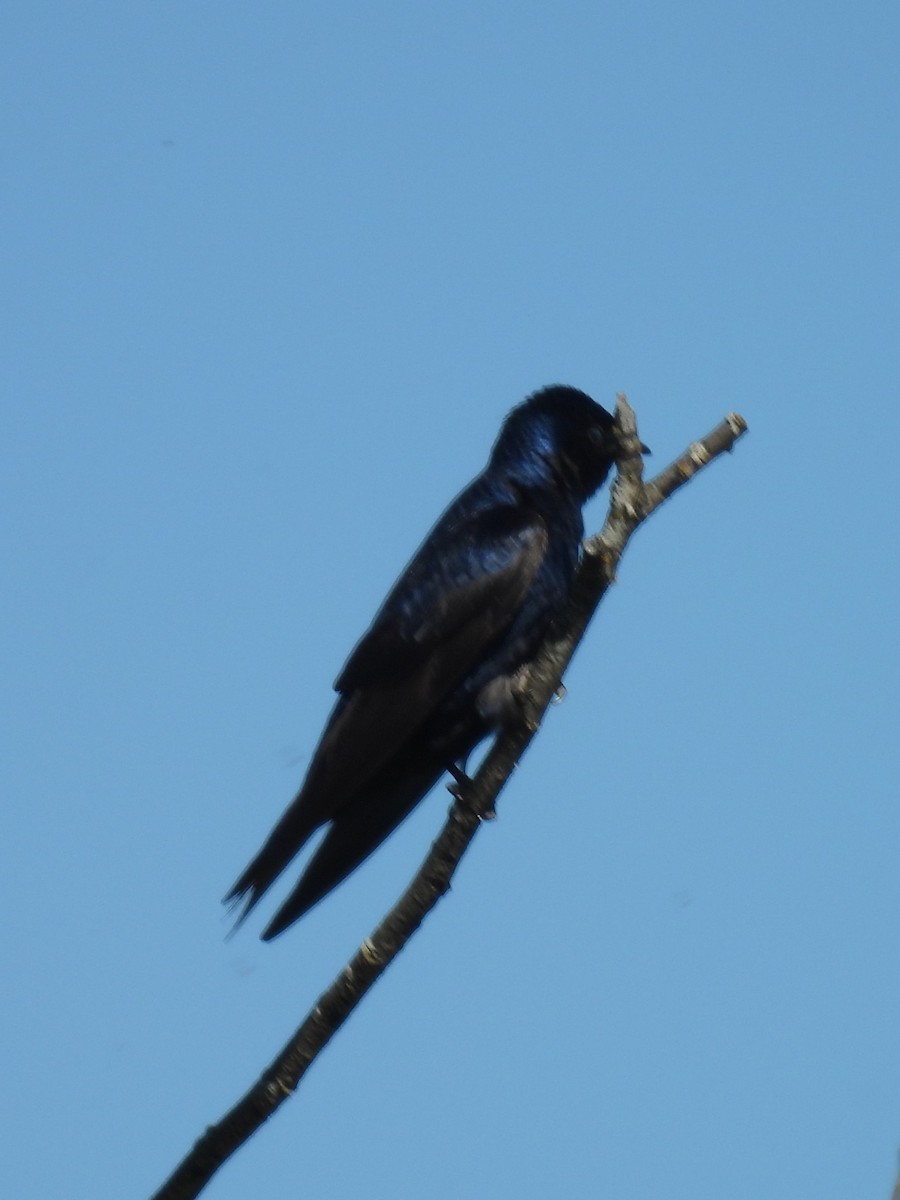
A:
432,676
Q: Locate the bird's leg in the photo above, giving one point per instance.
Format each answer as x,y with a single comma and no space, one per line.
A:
461,786
460,779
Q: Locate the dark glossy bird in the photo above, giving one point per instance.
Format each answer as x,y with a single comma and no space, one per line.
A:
431,677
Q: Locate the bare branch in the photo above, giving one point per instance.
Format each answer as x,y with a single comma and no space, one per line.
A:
631,503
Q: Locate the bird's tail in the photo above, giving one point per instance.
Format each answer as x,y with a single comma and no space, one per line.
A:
355,831
288,836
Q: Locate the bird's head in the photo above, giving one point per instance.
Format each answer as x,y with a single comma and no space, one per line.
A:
560,436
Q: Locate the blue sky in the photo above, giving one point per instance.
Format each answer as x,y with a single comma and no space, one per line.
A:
273,276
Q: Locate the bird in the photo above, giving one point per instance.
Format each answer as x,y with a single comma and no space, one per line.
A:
434,674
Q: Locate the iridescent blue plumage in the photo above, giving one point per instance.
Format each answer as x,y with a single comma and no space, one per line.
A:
418,692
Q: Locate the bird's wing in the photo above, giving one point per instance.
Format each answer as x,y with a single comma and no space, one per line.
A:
467,567
447,610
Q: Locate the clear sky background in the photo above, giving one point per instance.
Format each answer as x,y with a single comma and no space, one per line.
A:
272,276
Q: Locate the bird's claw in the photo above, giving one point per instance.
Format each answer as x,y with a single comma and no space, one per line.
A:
461,789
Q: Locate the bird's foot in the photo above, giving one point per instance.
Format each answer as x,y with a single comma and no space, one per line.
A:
461,781
461,790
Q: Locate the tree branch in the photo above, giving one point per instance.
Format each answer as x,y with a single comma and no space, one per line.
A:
632,502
